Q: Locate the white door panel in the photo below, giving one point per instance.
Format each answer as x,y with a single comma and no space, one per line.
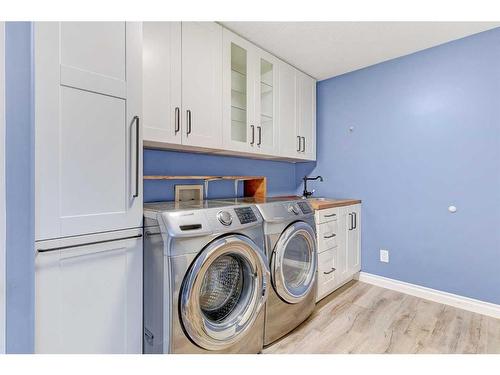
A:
88,299
162,81
97,47
288,141
88,168
202,84
307,115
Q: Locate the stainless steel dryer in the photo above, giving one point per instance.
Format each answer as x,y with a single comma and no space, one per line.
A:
292,252
205,278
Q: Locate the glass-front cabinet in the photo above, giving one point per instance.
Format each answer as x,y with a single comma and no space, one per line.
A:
250,82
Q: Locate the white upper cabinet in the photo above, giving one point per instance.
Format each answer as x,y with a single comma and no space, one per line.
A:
207,89
297,127
182,80
250,89
88,138
289,140
202,84
306,106
161,102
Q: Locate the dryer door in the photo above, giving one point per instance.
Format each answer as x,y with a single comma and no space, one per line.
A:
223,292
294,262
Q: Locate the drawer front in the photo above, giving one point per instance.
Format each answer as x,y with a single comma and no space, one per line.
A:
326,273
327,235
324,216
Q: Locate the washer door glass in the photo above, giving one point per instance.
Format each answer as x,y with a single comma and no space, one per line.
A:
294,262
223,292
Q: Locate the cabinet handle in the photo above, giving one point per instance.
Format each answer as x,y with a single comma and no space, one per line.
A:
355,220
259,128
304,144
137,146
330,215
300,140
329,272
330,236
88,244
350,221
253,135
177,119
188,115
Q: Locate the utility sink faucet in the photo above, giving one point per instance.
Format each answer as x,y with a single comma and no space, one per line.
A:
307,194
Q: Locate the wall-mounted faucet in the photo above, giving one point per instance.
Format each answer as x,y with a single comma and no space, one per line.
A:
307,194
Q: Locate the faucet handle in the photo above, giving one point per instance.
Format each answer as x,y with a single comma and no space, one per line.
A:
312,192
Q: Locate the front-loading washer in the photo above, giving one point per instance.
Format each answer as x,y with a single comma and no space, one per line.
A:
291,249
206,278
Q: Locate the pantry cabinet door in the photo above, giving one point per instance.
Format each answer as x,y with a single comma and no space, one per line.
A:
289,141
202,84
88,138
88,299
161,77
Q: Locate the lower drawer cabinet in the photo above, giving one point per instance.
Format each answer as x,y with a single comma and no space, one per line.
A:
326,272
327,235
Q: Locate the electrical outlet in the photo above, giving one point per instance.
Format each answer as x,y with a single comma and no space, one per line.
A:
384,255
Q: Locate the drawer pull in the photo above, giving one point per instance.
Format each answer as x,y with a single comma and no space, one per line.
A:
330,215
330,236
329,272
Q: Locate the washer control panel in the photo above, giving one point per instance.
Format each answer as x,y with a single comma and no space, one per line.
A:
245,215
224,218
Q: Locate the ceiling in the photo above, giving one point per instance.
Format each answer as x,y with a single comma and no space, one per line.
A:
327,49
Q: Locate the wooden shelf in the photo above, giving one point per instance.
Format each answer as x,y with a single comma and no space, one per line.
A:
253,186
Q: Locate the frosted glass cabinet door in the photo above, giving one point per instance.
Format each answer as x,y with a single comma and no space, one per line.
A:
161,48
267,103
88,138
239,127
202,84
88,299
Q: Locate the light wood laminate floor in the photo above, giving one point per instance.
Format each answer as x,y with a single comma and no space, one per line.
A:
362,318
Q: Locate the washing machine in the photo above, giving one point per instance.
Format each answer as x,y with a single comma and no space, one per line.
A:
291,248
206,278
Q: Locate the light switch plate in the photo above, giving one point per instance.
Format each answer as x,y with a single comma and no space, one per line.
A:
384,256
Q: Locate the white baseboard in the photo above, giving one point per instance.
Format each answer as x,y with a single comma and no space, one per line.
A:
434,295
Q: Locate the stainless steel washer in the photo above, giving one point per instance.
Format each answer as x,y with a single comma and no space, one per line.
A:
291,249
206,278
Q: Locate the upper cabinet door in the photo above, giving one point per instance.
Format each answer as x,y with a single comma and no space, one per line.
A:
202,84
266,103
238,97
289,139
88,139
306,97
161,79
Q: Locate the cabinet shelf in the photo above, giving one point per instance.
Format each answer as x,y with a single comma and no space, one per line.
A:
253,186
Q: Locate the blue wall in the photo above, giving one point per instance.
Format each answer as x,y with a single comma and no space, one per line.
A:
19,148
426,135
281,175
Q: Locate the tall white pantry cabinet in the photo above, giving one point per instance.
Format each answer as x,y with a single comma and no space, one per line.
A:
88,178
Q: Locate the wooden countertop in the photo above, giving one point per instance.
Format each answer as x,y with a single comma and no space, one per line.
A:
321,204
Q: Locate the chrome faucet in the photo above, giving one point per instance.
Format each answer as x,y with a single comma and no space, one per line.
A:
307,194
